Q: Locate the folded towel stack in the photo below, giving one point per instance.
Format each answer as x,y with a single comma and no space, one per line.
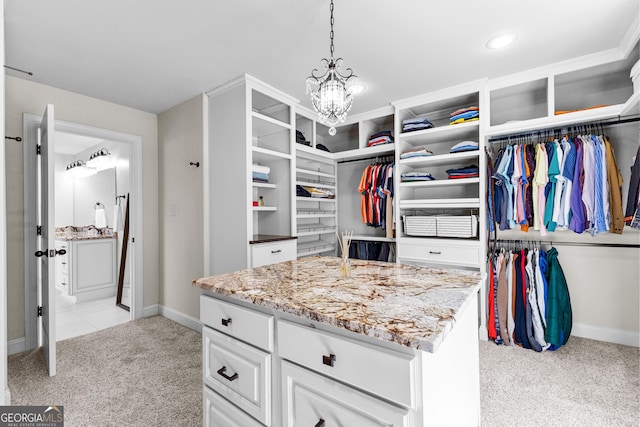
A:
464,146
260,173
463,115
416,152
418,123
307,191
379,138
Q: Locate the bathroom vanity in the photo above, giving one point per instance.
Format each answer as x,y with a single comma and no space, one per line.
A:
88,269
295,344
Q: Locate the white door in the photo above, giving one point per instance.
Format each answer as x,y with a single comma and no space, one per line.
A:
47,237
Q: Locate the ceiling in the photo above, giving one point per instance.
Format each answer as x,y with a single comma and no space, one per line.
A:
154,54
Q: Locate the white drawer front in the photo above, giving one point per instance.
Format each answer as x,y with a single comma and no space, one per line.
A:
438,253
273,252
218,412
238,372
313,400
377,370
239,322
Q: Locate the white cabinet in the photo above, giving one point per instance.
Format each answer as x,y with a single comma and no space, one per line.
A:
219,412
313,400
458,198
272,252
88,270
250,123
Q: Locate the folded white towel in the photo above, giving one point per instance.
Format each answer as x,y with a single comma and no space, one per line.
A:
260,169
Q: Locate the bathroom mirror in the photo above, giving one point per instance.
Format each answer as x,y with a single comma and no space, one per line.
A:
98,188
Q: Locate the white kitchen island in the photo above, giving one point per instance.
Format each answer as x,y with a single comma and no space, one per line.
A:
295,344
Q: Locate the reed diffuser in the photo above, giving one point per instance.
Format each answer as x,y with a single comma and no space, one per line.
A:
344,240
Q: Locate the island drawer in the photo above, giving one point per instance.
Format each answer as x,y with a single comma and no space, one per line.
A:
219,412
434,251
239,372
273,252
310,399
238,322
377,370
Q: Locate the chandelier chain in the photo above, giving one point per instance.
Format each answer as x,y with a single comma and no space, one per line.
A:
331,33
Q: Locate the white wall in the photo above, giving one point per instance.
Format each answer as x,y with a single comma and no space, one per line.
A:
22,96
180,138
64,190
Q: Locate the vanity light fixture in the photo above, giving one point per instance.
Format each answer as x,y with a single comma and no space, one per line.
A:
79,169
100,160
502,40
331,88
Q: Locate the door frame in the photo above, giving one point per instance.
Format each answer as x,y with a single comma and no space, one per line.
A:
30,124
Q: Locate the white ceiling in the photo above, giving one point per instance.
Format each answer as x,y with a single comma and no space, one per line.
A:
154,54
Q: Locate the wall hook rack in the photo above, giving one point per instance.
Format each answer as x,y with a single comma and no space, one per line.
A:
196,164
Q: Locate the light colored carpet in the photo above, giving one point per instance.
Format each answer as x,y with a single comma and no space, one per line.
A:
585,383
148,373
142,373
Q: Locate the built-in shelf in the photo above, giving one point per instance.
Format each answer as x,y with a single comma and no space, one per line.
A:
314,154
460,131
440,203
440,159
315,247
263,184
441,182
265,208
373,238
315,215
315,173
632,106
314,199
378,150
315,233
265,125
316,184
264,154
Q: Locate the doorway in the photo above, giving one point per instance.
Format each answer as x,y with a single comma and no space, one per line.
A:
92,205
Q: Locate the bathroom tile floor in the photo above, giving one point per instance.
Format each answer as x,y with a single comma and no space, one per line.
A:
73,320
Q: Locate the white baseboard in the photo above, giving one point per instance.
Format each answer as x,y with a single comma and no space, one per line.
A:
16,346
7,397
181,318
151,310
616,336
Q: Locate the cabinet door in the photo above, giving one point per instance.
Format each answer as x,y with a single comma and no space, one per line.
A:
239,372
312,400
218,412
94,264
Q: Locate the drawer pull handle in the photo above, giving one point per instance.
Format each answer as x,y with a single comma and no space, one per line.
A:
328,360
226,322
277,251
225,376
320,423
435,252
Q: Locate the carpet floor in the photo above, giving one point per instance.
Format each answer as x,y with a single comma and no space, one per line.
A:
148,373
142,373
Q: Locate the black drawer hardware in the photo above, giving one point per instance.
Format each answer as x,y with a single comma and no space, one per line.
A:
435,252
226,322
277,251
328,360
221,372
320,423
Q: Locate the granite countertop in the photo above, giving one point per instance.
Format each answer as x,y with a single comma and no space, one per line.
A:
411,306
89,232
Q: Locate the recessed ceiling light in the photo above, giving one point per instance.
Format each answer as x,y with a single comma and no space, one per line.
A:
501,40
358,87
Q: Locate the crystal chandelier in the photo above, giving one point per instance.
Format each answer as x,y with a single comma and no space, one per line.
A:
331,88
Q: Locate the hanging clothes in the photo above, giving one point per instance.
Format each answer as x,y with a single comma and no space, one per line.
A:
528,301
375,187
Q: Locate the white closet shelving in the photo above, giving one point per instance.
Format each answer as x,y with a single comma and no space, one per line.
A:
251,123
424,200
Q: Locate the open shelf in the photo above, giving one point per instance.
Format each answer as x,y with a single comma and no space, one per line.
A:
264,154
440,159
315,173
441,182
264,208
318,184
265,125
315,247
372,238
440,203
460,131
378,150
314,199
263,184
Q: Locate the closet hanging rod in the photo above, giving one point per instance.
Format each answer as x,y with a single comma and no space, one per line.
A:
390,156
537,132
560,243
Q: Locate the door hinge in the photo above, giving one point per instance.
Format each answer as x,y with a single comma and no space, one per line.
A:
38,149
39,311
39,230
